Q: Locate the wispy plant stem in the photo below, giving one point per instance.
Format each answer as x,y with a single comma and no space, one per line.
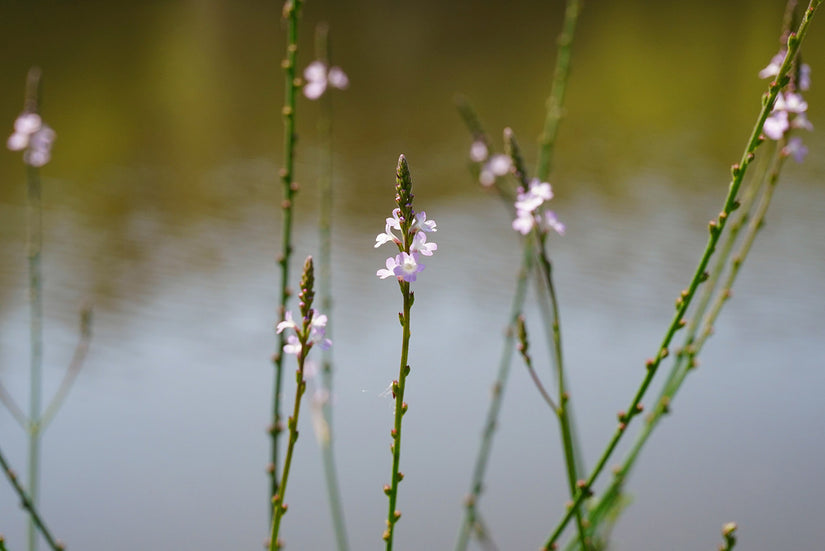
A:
35,246
28,503
546,279
555,102
291,14
322,49
496,400
716,227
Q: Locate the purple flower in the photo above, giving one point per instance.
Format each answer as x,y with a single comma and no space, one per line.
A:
407,266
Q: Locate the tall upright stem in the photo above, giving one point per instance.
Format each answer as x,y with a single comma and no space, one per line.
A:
291,14
400,409
35,241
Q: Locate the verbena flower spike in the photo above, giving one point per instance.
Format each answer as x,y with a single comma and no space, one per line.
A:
305,333
411,241
413,229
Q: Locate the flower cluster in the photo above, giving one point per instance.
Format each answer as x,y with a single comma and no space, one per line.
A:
413,228
407,263
33,137
529,212
313,330
318,77
492,167
789,109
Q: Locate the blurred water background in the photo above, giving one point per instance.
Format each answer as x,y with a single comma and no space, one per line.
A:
161,207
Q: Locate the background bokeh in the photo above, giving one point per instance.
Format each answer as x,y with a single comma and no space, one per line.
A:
161,207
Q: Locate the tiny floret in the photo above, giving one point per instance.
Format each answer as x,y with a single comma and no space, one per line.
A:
773,67
497,166
479,151
790,107
33,137
529,209
311,331
407,266
318,77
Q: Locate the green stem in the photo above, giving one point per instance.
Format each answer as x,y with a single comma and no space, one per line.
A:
563,412
28,503
291,14
555,102
716,228
278,505
393,515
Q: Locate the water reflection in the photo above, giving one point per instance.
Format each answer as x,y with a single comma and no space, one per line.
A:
161,207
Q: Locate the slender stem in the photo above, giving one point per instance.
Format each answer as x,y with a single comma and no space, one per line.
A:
400,409
278,500
15,410
291,13
28,503
523,349
496,401
35,242
563,412
687,358
76,364
555,102
322,49
716,227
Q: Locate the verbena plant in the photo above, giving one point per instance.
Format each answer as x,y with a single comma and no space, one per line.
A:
588,517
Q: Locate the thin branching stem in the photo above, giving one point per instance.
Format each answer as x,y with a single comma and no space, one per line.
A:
74,368
29,505
716,228
546,280
291,14
555,102
496,400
